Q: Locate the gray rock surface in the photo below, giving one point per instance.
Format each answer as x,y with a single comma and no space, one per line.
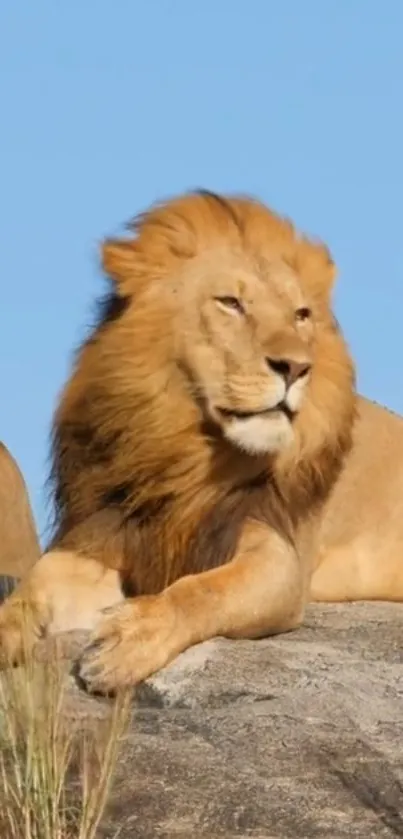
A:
293,737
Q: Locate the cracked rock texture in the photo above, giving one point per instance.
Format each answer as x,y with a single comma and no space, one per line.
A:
295,736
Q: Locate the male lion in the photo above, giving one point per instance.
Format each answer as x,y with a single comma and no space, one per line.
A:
212,464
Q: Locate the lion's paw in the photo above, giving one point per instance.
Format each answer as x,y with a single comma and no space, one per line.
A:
19,630
132,641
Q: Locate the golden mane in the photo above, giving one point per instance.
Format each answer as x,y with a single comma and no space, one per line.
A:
132,465
171,233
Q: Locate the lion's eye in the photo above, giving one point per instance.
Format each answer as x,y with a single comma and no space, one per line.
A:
303,313
230,303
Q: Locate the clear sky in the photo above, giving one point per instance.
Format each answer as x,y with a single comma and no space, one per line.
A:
107,105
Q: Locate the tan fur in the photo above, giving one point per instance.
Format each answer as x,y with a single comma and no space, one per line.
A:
361,536
19,545
172,488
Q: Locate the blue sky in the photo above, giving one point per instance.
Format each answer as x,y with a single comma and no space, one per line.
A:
107,106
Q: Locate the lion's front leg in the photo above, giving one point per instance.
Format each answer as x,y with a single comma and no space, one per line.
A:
260,592
62,592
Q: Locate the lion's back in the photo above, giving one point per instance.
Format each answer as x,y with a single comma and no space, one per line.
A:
19,545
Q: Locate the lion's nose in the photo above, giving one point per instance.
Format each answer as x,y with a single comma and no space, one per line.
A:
287,368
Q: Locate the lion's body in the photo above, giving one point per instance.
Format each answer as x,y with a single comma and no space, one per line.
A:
209,449
361,528
19,545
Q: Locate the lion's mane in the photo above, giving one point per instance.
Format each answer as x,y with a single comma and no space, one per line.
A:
139,482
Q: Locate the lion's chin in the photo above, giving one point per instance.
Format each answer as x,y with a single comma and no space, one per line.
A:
260,433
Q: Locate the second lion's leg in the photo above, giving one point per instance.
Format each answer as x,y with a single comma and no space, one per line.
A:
62,592
258,593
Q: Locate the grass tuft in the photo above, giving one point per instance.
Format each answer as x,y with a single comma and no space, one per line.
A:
56,771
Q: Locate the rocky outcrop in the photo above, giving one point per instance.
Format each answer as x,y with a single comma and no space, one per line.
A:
292,737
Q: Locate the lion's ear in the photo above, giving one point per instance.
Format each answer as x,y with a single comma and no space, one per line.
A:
316,267
119,263
325,277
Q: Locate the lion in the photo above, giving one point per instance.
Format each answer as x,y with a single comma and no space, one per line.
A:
19,544
213,466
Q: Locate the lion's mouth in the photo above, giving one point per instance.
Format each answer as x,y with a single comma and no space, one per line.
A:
282,407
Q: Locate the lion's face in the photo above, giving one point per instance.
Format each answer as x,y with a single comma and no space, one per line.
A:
230,320
248,344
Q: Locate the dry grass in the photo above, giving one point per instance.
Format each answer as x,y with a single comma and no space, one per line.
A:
55,772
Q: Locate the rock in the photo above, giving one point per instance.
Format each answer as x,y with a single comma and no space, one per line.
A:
297,736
